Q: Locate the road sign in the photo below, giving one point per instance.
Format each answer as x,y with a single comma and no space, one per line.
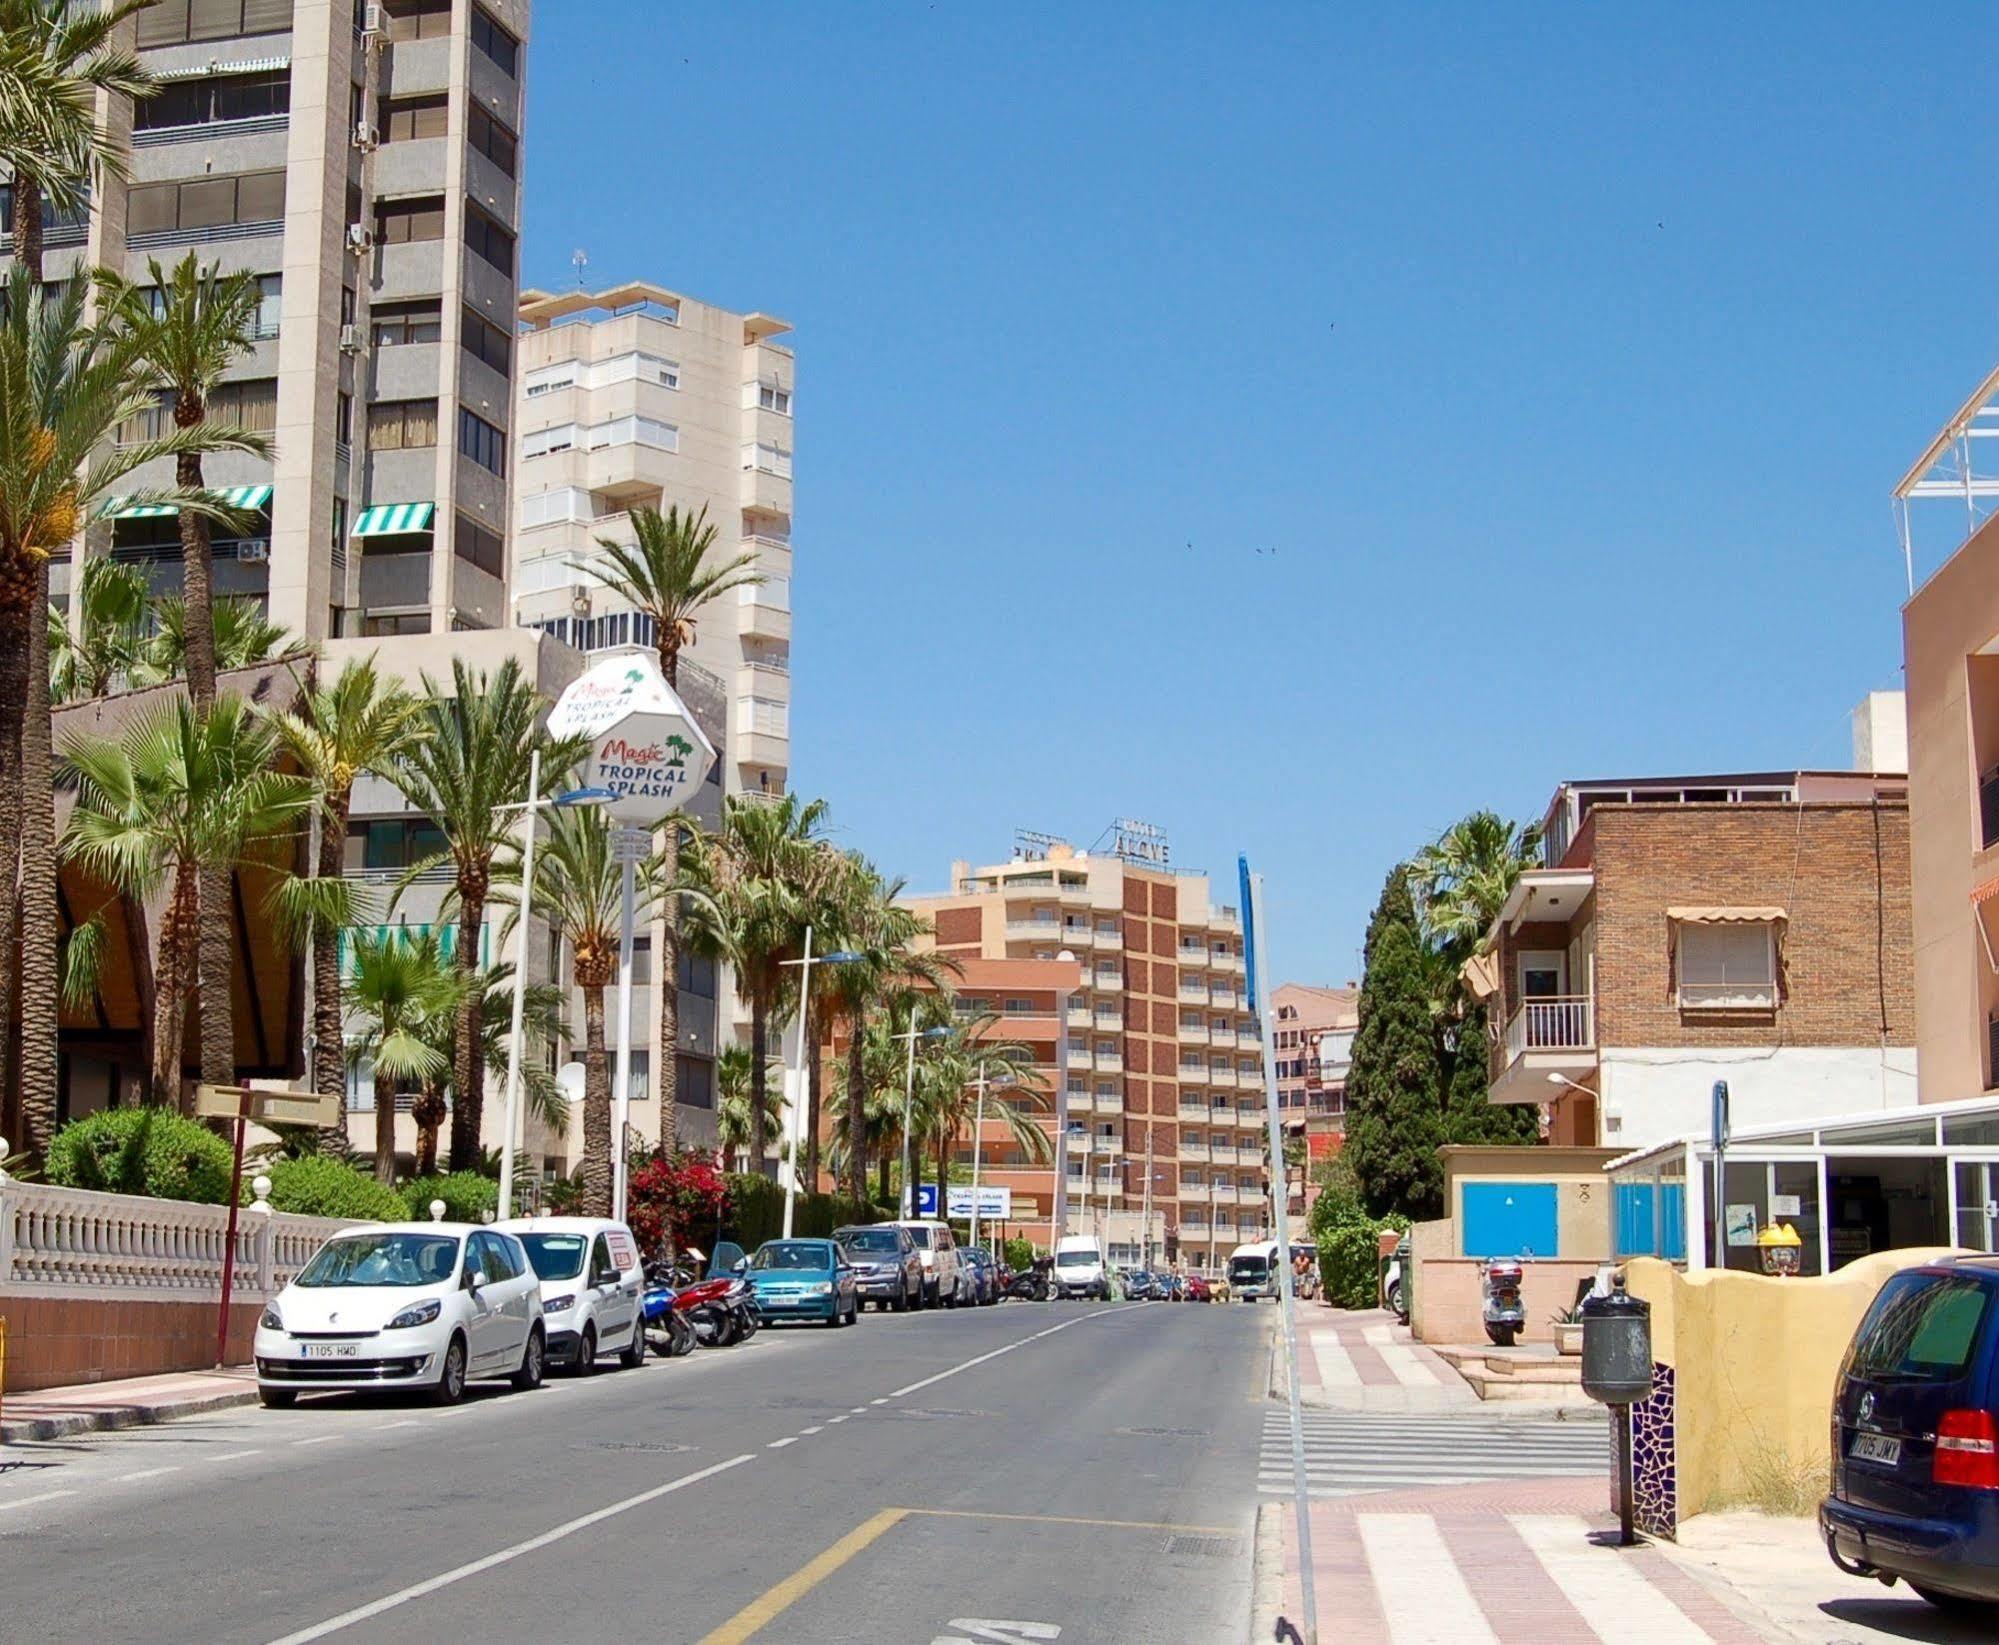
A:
995,1204
645,745
926,1199
267,1107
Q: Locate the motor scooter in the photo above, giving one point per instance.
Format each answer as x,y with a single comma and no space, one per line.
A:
667,1331
1505,1312
1394,1288
719,1307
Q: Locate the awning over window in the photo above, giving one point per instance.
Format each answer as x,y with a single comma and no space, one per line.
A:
243,497
202,71
392,519
1726,916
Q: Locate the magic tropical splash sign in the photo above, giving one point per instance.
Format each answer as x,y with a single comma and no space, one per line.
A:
645,745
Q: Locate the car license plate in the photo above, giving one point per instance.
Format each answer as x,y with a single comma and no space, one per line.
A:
1877,1448
330,1350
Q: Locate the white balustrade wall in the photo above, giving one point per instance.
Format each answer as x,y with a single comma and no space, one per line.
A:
73,1241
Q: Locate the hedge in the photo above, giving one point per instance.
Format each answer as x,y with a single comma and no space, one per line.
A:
317,1185
149,1151
1349,1246
467,1196
756,1212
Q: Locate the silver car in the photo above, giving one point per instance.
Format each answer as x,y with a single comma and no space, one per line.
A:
887,1264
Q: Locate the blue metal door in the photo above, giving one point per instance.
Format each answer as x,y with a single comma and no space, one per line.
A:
1511,1219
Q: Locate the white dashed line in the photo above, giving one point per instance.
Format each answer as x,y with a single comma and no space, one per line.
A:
319,1439
804,1431
858,1411
30,1501
877,1402
831,1420
780,1444
238,1456
148,1473
407,1422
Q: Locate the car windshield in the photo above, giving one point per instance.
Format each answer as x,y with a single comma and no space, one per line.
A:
792,1256
922,1238
556,1256
1075,1259
1249,1267
871,1239
382,1259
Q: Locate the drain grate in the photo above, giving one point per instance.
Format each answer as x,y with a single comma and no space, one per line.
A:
1215,1547
659,1448
1167,1433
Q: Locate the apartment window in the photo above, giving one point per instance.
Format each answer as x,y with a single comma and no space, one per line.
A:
694,1082
697,974
562,437
252,406
770,459
149,424
772,398
374,624
488,241
762,716
347,309
483,340
206,203
397,842
563,503
1190,1177
402,425
407,118
493,140
482,442
171,22
1078,1086
1106,1048
183,103
547,379
1727,965
644,431
472,542
397,323
270,305
494,41
401,222
418,19
1107,1088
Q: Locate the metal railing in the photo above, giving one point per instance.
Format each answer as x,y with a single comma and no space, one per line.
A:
1559,1022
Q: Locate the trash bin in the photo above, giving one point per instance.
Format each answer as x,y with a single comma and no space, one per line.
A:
1617,1348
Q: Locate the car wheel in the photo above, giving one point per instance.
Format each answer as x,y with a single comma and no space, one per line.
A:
449,1388
899,1302
586,1352
277,1399
1395,1298
534,1361
635,1351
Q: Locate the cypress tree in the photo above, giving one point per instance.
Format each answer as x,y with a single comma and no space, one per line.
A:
1394,1084
1468,1116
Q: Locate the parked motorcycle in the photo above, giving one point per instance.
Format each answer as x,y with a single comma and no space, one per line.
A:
1030,1285
718,1306
1505,1312
667,1331
1394,1288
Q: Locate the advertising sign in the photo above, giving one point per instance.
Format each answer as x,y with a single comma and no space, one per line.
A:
645,745
995,1204
926,1199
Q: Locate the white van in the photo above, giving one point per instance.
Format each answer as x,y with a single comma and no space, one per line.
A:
943,1274
591,1278
1253,1271
1079,1268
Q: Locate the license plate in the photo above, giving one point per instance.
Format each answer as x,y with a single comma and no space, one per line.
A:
1877,1448
330,1350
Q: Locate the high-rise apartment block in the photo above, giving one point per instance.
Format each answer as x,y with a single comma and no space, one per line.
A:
362,158
1162,1143
638,396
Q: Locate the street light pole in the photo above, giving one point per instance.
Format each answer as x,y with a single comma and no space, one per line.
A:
513,1117
792,1093
909,1038
978,1139
628,845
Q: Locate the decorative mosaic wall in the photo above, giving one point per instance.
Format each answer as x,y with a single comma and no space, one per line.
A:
1655,1486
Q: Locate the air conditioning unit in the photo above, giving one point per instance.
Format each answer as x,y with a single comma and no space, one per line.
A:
365,136
375,20
350,338
254,549
358,237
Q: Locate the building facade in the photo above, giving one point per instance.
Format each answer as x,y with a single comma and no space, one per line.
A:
1312,1030
1163,1143
1752,928
637,396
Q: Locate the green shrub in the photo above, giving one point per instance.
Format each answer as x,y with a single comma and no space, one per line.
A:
1349,1249
756,1212
468,1196
146,1151
1019,1254
316,1185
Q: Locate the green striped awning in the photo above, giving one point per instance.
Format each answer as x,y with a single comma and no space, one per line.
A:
243,497
388,519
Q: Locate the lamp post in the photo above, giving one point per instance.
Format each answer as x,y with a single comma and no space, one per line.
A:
909,1037
527,808
795,1071
978,1144
630,847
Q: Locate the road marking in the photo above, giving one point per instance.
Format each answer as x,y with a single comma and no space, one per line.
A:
832,1420
804,1431
1611,1596
568,1528
1080,1319
30,1501
319,1439
1424,1597
858,1411
237,1456
775,1601
780,1444
1071,1519
877,1402
1336,1366
1400,1358
407,1422
146,1473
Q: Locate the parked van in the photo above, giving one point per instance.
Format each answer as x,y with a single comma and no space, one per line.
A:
943,1275
591,1278
1079,1268
1253,1271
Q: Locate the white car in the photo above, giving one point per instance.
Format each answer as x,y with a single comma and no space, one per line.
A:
1079,1268
590,1284
423,1305
944,1280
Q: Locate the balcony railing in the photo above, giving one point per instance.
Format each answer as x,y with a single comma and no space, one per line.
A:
1563,1022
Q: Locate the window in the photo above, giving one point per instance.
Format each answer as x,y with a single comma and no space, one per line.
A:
472,542
493,140
270,304
252,406
397,323
482,442
183,103
418,19
1729,966
399,222
343,419
488,241
563,503
761,716
347,309
402,425
772,398
494,41
694,1082
770,459
545,440
547,379
171,22
1923,1328
393,843
408,622
205,203
644,431
697,974
405,118
483,340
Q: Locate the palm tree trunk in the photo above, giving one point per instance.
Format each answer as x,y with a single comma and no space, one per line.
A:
197,566
41,917
13,702
882,1188
27,227
170,987
385,1128
857,1120
596,1108
468,1067
759,1074
329,1062
215,1012
666,978
426,1131
808,1047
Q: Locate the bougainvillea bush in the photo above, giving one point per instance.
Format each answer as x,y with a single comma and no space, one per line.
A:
673,1200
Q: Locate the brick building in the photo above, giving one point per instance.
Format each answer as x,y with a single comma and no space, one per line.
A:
1750,927
1312,1030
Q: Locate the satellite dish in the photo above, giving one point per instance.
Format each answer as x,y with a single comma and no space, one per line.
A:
570,1077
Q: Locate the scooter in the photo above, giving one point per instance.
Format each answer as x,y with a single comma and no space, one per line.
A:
667,1331
1029,1285
719,1308
1505,1312
1394,1292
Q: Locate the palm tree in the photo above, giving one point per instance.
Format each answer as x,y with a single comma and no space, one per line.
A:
241,636
735,1090
541,1025
660,575
471,759
948,1087
179,794
399,984
64,387
110,603
1463,877
357,725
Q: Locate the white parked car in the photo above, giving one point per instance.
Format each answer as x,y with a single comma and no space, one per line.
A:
944,1279
590,1284
1079,1268
404,1305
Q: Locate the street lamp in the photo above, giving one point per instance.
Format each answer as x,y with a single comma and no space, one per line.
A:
978,1142
796,1072
909,1037
578,797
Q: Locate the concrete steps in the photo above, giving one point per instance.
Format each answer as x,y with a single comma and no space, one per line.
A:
1520,1375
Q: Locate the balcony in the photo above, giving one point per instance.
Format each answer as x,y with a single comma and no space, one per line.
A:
1225,1194
1193,1150
1078,936
1079,1058
1551,1035
1221,994
1193,1033
1221,1074
1194,1111
1231,963
1109,936
1079,1016
1108,981
1248,1039
1194,993
1049,930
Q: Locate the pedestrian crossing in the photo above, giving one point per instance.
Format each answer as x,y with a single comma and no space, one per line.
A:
1351,1452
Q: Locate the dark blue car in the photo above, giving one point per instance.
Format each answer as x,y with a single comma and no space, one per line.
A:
1915,1438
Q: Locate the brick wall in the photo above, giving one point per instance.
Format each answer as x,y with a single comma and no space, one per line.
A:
957,926
53,1342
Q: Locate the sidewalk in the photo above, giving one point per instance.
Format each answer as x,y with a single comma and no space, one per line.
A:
1364,1360
51,1413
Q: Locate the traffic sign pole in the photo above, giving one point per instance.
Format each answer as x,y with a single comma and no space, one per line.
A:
229,1246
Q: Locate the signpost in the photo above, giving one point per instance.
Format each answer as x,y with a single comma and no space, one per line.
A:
994,1204
1718,1120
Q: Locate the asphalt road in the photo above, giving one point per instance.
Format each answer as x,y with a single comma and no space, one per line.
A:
1075,1472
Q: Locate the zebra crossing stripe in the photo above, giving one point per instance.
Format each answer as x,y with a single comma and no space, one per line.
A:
1400,1358
1424,1596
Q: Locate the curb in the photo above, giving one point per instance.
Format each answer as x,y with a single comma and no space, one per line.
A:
1266,1592
20,1430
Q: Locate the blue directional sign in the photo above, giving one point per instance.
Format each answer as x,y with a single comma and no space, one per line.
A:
926,1199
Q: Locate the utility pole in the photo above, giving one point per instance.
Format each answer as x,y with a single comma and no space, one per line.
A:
1145,1261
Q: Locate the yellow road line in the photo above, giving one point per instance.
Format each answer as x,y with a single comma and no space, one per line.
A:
775,1601
1066,1519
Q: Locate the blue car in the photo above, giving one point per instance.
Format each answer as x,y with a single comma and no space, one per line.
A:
805,1279
1915,1438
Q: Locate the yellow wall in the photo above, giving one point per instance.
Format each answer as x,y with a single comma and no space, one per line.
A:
1753,1364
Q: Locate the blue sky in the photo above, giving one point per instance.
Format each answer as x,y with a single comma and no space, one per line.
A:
1528,384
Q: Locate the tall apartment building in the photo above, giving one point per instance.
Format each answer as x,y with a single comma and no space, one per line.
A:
1162,1140
362,158
636,396
1312,1032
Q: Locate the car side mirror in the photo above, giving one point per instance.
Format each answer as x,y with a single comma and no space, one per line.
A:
475,1280
742,1265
